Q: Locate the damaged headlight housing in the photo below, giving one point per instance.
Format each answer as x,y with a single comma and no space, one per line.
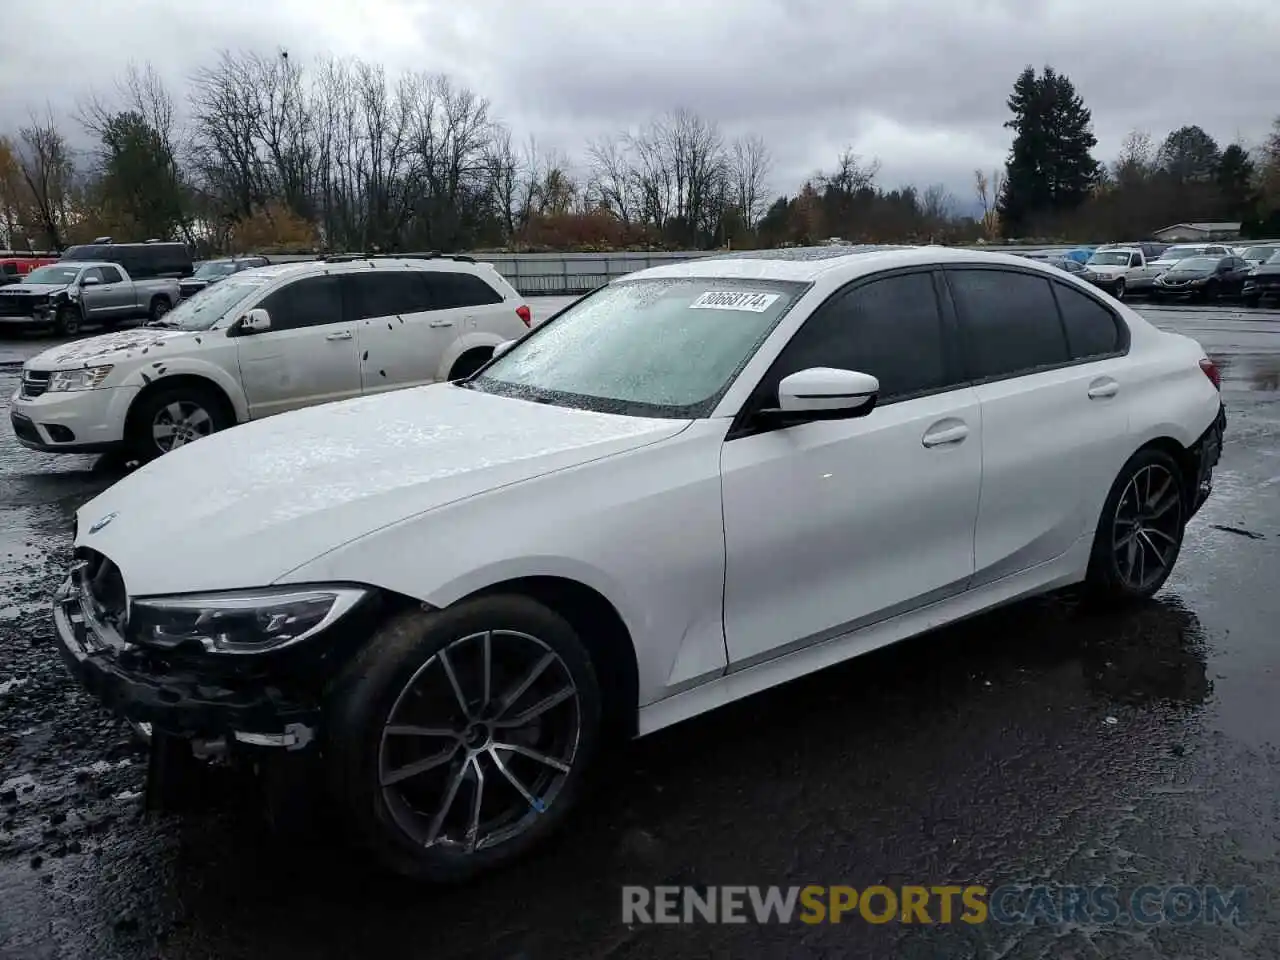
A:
86,378
240,622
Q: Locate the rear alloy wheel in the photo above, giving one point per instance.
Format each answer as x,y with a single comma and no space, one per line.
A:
159,307
1140,532
461,737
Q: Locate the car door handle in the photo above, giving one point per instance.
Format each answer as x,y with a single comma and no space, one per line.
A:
1101,389
441,323
939,435
345,335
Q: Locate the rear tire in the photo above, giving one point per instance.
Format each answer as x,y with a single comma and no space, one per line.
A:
469,363
1139,534
410,770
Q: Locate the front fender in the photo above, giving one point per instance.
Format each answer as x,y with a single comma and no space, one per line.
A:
163,368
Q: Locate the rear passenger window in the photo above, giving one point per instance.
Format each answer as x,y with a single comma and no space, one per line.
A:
1092,329
312,302
889,328
1010,322
453,290
387,294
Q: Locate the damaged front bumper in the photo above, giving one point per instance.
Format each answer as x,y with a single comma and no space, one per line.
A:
251,709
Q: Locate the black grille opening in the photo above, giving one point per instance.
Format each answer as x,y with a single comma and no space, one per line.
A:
104,585
34,382
25,429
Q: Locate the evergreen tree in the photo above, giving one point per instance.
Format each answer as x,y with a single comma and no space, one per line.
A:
1189,155
1235,181
1050,170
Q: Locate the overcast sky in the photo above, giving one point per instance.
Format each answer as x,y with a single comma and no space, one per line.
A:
920,84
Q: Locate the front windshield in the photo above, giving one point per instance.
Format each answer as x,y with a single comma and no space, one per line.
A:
1119,258
659,348
1196,264
1260,253
207,271
212,303
54,273
1181,253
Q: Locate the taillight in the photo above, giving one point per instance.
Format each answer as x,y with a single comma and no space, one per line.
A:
1212,372
525,315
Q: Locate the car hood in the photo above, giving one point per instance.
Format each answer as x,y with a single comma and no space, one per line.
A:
108,348
1266,270
1186,274
244,507
32,289
1105,269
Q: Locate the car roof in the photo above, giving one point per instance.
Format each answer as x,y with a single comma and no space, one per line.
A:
381,264
807,264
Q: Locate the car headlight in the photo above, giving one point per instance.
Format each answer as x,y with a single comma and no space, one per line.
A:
240,622
86,378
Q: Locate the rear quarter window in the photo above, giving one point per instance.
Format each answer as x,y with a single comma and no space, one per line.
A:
457,290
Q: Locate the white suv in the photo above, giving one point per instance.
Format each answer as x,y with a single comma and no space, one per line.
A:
265,341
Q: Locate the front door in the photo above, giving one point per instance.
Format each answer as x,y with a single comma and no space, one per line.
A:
834,525
309,354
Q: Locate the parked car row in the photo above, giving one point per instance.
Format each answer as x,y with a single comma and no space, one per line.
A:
259,342
702,480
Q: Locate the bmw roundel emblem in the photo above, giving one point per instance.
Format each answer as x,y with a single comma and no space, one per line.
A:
99,524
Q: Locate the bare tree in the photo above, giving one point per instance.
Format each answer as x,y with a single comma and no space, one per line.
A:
937,205
45,164
1137,159
988,188
505,176
612,179
750,166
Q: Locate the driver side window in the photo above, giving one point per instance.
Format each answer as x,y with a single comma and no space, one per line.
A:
311,302
890,328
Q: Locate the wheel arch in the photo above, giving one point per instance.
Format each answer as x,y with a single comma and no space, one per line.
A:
1183,456
603,632
194,380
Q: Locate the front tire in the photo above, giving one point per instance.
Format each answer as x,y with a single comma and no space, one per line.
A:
67,323
173,417
459,739
1139,534
1252,301
159,307
1119,289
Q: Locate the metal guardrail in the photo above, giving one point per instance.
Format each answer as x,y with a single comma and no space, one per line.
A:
569,274
561,274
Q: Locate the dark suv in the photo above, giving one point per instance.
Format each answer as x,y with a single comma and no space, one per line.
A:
142,261
211,271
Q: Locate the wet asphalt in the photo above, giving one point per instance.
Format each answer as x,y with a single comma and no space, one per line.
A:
1038,743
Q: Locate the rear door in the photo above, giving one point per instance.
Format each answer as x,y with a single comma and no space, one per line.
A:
118,296
397,342
309,354
464,303
1048,364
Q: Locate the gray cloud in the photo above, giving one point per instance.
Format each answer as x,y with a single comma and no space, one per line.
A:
921,84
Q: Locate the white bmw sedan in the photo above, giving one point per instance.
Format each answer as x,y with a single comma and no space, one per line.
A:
701,481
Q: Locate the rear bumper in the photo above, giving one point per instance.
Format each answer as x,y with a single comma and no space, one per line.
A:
1208,451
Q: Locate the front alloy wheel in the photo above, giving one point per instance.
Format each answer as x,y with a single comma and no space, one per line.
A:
460,738
480,741
179,423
